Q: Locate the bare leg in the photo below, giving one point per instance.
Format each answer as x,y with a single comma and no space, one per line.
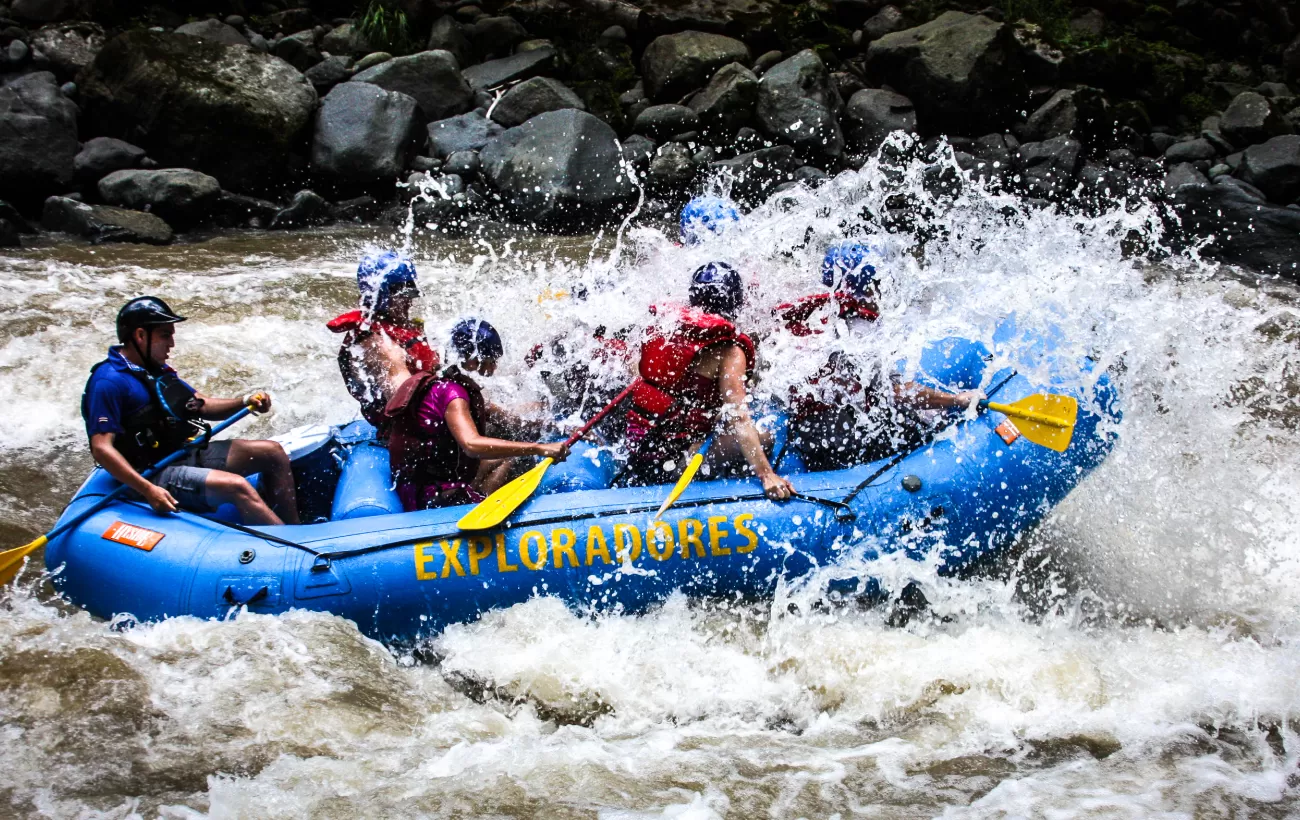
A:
222,487
269,459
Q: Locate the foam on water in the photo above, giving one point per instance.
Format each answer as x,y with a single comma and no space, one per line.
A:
1138,656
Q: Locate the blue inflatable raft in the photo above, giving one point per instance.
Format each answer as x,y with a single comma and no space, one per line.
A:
404,576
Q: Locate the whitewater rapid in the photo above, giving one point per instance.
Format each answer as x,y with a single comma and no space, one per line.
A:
1138,655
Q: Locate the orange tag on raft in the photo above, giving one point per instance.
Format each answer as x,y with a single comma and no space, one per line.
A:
132,536
1007,431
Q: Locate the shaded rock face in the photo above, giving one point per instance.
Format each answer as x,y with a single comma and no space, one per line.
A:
755,174
307,208
674,64
873,114
467,132
1246,231
560,170
1048,167
659,122
432,78
510,69
798,105
1274,168
963,71
44,11
298,50
214,30
69,47
170,93
1078,113
104,223
328,73
345,39
363,135
533,97
727,103
182,197
447,35
734,17
1250,118
672,172
38,139
102,156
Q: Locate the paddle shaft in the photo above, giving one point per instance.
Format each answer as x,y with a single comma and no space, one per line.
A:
148,473
1029,415
605,411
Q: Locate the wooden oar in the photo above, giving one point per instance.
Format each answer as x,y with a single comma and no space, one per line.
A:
692,467
1043,418
495,508
11,561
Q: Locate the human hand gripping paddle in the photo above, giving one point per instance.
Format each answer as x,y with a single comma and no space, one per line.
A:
1043,418
11,561
495,508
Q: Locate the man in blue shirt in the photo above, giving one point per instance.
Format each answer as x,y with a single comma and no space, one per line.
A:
138,410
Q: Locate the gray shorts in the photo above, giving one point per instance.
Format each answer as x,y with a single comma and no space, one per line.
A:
187,479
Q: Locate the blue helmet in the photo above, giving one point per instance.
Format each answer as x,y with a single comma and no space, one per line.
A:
704,215
849,266
476,339
716,288
380,275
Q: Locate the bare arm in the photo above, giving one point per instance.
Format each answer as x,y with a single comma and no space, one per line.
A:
108,457
926,398
735,409
462,428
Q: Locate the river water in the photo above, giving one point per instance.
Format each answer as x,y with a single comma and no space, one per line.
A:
1138,655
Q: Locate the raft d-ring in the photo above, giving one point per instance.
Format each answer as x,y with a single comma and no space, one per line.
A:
321,564
247,556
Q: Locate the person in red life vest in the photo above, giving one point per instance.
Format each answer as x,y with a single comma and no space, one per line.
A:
842,415
388,291
693,378
137,411
436,446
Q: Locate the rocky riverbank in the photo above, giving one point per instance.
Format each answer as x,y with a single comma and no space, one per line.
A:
122,123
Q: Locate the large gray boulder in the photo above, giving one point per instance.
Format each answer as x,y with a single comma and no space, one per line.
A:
798,104
228,111
467,132
755,174
560,170
873,114
298,50
69,47
674,64
1048,167
432,78
510,69
178,195
38,139
214,30
736,18
1250,118
102,156
533,97
1070,112
727,103
447,35
103,223
963,71
363,135
661,122
1245,231
346,40
1274,168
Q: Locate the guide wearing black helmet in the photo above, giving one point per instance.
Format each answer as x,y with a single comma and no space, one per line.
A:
138,410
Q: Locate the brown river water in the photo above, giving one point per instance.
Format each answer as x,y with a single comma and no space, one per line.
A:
1138,656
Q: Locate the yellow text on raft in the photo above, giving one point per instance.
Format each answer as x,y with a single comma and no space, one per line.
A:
716,536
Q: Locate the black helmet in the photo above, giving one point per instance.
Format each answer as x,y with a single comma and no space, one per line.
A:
144,311
717,288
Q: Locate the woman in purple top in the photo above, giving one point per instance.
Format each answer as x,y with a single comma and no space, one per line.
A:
439,455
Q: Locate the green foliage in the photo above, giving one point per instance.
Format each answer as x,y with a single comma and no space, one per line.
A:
1052,16
386,29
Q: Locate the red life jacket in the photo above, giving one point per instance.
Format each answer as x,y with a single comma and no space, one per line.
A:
419,358
671,398
797,314
422,456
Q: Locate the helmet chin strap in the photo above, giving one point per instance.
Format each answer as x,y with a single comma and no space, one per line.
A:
146,358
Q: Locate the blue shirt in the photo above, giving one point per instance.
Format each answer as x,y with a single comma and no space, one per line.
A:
113,394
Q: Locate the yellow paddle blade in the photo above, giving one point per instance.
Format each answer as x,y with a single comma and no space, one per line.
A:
494,509
12,560
692,467
1043,418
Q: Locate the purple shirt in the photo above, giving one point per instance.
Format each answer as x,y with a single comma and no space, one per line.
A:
432,413
431,416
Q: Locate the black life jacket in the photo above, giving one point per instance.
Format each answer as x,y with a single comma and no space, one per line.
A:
161,427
